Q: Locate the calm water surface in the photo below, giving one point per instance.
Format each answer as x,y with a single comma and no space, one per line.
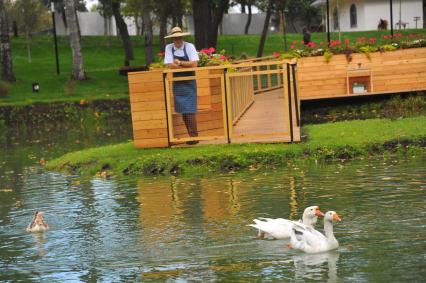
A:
177,229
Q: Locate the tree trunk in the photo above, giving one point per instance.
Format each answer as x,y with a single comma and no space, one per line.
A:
163,31
77,56
202,16
15,29
265,29
246,29
138,26
243,4
124,33
28,42
5,51
105,25
147,31
177,13
217,12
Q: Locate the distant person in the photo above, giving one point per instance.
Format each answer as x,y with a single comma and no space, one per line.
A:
181,54
306,36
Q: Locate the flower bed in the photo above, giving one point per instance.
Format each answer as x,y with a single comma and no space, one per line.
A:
362,45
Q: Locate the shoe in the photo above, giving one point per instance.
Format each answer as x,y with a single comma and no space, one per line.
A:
192,142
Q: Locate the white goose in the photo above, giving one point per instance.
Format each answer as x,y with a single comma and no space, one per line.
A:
312,241
280,228
37,224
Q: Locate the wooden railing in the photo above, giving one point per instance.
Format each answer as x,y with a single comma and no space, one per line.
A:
242,94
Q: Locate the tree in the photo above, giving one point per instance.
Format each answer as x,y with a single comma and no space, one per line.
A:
208,15
78,72
5,50
30,16
133,9
269,9
248,4
109,7
124,33
147,8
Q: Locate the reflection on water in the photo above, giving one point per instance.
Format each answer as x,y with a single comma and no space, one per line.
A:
196,229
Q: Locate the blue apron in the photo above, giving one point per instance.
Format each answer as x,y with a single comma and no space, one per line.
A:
184,92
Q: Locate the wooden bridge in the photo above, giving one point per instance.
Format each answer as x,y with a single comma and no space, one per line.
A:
260,101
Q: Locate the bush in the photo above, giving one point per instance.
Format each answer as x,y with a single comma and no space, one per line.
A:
4,89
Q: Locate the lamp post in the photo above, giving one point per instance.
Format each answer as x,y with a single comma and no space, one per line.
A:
391,16
328,21
52,6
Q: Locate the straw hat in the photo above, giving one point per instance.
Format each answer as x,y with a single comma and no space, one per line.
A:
176,32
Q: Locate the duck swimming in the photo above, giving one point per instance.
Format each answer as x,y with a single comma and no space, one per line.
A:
280,228
310,240
37,224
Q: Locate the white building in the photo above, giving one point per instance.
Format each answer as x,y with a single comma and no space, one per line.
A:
360,15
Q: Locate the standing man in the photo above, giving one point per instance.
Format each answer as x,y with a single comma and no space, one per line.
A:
181,54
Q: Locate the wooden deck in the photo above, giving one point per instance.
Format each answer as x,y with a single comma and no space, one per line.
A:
266,121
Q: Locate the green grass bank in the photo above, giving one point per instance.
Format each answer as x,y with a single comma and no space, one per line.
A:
103,56
340,140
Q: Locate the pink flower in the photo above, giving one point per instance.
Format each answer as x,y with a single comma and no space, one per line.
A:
372,40
211,50
321,43
222,57
276,55
311,44
293,46
399,35
385,37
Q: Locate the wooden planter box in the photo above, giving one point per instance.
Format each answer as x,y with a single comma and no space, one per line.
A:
388,72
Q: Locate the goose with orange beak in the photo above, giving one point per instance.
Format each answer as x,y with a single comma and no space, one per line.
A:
37,224
280,228
310,241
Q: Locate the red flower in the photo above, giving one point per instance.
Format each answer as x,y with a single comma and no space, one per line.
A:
293,46
161,54
399,35
321,43
222,57
385,37
294,42
211,50
347,42
372,40
276,55
311,44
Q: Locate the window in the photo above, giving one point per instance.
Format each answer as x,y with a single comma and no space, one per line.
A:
336,19
352,13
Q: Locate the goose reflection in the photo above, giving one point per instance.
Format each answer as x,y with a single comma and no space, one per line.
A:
312,265
40,240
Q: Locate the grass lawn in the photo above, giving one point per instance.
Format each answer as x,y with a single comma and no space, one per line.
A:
341,140
104,55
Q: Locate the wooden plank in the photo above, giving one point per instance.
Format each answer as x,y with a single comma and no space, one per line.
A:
151,124
151,143
148,115
141,77
150,133
147,106
146,87
150,96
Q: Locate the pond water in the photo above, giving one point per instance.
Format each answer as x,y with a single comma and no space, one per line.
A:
195,229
